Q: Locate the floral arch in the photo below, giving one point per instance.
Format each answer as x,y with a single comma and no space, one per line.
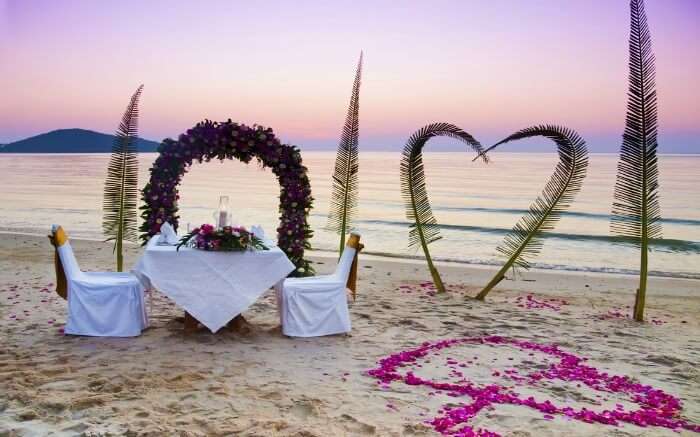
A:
228,140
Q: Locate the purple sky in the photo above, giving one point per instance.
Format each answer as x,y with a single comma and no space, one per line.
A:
491,67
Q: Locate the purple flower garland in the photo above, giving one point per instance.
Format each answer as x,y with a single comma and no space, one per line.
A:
657,408
227,140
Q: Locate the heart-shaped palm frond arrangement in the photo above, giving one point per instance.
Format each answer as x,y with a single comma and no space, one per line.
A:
635,211
344,194
119,220
424,228
524,241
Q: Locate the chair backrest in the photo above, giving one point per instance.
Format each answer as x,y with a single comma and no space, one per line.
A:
58,237
70,264
346,270
66,265
342,270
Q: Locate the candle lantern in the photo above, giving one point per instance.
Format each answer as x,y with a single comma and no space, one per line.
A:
222,216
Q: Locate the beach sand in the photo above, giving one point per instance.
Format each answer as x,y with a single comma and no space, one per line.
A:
263,384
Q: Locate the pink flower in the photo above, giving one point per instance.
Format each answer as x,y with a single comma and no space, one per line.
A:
656,408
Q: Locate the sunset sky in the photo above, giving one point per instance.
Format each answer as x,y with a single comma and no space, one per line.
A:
490,67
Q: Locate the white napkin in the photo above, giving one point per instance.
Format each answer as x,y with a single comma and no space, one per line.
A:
258,231
167,234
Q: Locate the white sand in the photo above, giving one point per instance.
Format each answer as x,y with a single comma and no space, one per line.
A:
263,384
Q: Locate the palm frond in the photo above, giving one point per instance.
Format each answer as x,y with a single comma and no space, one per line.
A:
424,228
343,201
635,211
119,204
525,240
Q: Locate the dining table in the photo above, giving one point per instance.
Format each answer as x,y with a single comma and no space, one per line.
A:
212,287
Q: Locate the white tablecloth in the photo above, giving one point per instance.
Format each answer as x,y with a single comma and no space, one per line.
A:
214,287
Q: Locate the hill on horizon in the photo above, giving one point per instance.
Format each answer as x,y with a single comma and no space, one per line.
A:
71,141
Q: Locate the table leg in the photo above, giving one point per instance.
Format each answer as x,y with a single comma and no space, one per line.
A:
190,323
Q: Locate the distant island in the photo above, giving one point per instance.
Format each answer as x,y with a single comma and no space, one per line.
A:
71,141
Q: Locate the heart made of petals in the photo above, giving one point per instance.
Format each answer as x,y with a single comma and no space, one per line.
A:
656,408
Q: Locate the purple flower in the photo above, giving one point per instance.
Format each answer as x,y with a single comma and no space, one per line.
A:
656,408
221,140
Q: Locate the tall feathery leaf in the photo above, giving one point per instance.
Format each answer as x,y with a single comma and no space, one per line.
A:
121,186
525,240
424,228
344,195
635,210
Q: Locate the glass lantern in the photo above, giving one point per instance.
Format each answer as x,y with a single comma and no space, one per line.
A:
222,216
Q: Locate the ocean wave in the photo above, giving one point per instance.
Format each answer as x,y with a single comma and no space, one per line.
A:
659,244
591,215
472,261
520,212
535,265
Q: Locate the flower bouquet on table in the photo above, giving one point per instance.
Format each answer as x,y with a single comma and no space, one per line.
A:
226,239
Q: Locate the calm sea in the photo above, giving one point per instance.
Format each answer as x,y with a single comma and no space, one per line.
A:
476,203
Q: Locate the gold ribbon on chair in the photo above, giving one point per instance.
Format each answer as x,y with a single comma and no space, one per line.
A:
58,238
354,242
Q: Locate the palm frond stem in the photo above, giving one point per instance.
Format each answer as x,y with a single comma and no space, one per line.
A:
636,211
344,190
559,192
424,228
121,185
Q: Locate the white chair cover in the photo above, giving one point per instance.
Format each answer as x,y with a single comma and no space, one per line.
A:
102,304
316,306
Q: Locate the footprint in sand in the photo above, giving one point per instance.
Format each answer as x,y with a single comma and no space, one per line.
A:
305,409
356,427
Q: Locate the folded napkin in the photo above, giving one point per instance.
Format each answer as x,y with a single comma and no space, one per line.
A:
258,231
167,234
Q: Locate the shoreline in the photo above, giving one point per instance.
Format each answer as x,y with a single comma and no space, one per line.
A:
417,259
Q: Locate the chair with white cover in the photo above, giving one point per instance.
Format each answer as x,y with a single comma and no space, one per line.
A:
318,305
100,304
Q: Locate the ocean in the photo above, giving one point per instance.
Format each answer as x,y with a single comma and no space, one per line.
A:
475,203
